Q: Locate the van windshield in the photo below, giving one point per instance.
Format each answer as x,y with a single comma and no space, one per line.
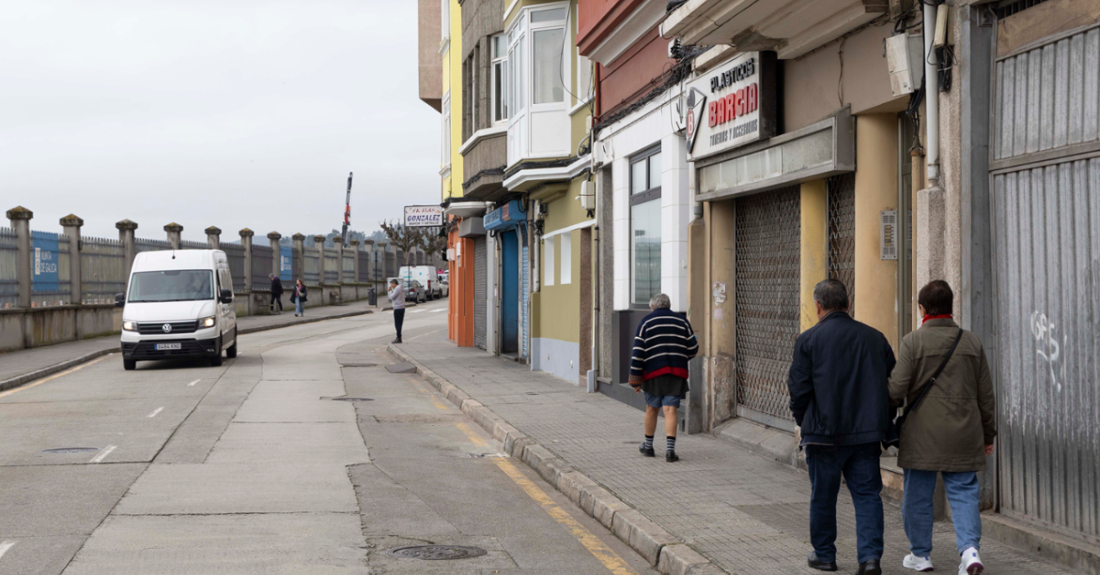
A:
172,285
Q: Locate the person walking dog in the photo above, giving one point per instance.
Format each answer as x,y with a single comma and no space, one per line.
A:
839,397
397,298
276,292
949,427
298,298
659,368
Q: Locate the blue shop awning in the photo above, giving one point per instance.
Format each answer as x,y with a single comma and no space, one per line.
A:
506,217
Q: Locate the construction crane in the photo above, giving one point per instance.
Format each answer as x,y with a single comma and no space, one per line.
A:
347,211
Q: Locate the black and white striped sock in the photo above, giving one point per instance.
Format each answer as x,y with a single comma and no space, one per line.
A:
649,442
670,444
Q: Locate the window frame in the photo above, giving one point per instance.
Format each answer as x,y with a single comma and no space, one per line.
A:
548,261
650,194
566,249
498,90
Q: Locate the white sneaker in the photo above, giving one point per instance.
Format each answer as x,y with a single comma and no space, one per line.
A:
917,563
971,564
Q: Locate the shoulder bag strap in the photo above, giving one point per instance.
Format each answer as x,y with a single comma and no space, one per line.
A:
932,380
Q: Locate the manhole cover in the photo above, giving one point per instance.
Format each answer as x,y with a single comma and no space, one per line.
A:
436,552
70,450
352,399
358,364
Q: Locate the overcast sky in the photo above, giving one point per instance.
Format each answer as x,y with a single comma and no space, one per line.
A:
236,113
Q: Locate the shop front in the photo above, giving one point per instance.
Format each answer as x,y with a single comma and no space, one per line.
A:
508,226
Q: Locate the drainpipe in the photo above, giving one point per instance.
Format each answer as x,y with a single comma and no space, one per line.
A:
931,96
536,247
594,370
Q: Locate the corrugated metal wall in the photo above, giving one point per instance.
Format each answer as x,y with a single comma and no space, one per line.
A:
767,247
1046,206
480,281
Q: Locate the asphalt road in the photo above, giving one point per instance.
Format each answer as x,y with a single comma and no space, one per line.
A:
254,467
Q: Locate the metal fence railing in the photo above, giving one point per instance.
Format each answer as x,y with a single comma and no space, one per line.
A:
143,245
186,245
332,275
364,267
235,254
349,265
391,265
102,270
9,283
311,277
262,266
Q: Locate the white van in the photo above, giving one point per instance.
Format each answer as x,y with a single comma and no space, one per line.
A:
426,275
179,304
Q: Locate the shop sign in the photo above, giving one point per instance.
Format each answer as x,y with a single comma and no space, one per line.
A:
732,105
286,258
505,217
423,216
45,262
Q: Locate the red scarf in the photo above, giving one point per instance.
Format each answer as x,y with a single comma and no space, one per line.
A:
937,316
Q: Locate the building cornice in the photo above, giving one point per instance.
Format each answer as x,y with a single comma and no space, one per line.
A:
538,175
622,37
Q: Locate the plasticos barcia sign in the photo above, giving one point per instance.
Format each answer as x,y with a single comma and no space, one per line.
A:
732,105
423,216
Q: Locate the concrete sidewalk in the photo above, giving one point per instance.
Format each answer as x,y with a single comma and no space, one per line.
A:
744,513
23,366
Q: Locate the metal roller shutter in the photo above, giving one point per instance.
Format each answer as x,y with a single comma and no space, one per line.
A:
842,233
480,280
1046,210
767,246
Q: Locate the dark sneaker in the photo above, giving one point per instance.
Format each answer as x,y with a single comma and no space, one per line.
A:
646,451
398,340
869,568
814,563
671,457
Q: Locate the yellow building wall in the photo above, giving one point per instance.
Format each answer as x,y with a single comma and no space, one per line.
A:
876,283
452,69
815,251
555,310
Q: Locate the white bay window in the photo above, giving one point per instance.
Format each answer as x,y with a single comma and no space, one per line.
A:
538,123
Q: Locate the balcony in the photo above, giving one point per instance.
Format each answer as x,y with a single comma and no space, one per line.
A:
789,27
483,157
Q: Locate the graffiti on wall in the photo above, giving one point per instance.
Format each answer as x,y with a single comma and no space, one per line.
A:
1049,348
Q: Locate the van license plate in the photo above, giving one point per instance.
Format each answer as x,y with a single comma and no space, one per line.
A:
166,346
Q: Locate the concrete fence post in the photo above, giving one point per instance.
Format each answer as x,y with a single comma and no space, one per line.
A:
20,218
246,243
126,230
276,254
214,238
299,271
339,243
354,251
71,226
369,248
174,231
319,243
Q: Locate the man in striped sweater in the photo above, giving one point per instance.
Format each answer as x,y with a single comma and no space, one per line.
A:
659,367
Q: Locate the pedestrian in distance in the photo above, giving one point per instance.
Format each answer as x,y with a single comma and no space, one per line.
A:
276,293
943,379
839,397
299,298
397,298
663,345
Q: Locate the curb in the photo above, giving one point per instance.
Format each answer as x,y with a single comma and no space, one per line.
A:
659,547
20,380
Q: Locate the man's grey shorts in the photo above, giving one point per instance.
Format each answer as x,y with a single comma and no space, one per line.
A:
657,401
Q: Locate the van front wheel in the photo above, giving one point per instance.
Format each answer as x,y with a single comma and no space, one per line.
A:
231,351
216,360
129,364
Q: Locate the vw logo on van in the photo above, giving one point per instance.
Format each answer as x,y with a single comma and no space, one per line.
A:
167,328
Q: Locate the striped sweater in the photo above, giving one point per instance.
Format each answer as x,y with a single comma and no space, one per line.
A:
663,345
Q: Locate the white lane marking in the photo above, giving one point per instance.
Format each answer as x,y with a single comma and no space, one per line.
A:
5,546
439,310
103,454
155,412
192,384
418,311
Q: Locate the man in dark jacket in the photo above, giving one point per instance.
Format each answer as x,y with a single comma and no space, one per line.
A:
276,293
659,366
840,399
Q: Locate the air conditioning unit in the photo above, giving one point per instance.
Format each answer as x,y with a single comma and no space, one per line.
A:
588,195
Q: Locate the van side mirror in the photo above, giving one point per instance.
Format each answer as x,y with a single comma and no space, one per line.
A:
120,300
226,296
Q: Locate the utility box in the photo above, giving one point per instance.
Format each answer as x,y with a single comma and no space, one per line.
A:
905,62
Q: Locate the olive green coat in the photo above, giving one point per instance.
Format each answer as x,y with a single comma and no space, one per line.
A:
950,429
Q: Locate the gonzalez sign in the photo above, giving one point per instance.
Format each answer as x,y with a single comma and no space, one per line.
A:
732,105
423,216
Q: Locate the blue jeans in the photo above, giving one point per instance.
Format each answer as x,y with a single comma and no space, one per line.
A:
916,509
859,466
299,306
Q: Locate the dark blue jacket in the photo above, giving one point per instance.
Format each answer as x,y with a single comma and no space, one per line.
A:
663,345
838,382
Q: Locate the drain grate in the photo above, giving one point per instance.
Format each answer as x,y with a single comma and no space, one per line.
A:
352,399
436,552
70,450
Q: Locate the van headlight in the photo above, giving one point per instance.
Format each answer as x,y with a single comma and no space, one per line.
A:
129,326
208,321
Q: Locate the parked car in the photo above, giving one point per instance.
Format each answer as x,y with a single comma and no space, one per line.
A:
427,276
414,291
179,303
444,286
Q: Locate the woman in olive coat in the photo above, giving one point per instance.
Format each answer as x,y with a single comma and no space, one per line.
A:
950,432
